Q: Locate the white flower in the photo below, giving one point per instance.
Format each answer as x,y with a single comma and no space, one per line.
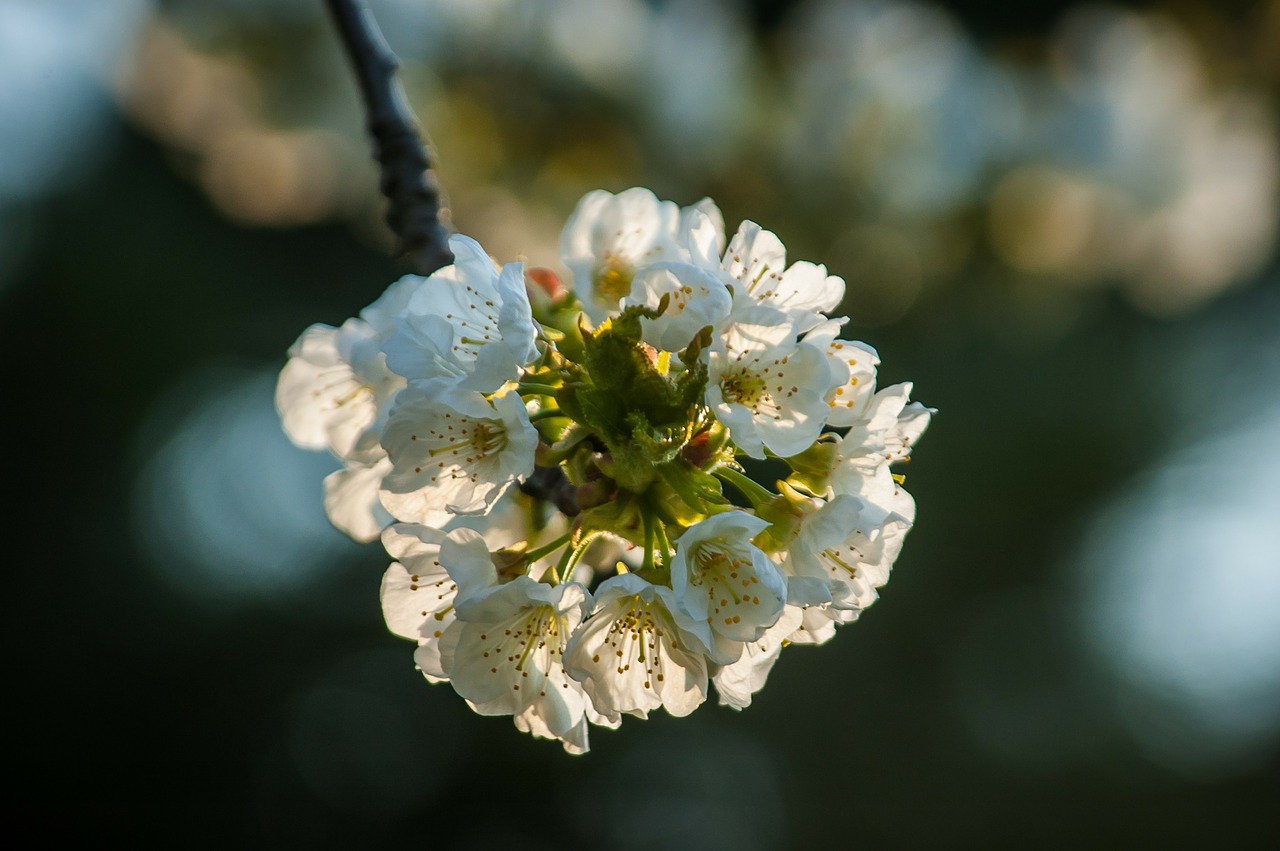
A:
818,621
470,323
575,740
850,545
351,498
817,626
608,237
736,683
323,404
334,393
755,266
887,430
696,299
852,365
882,435
720,577
453,451
336,384
504,655
637,651
701,233
418,592
766,387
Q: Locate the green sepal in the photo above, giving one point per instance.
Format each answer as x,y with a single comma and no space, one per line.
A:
627,323
562,320
702,340
689,494
570,439
785,512
784,519
692,383
811,469
620,517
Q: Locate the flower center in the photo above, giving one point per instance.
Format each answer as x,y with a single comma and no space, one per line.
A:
483,439
743,386
711,561
542,630
475,439
837,558
613,281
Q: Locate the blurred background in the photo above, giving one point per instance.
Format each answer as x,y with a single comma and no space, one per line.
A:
1058,219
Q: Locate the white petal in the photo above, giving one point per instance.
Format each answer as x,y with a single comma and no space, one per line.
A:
853,380
321,400
421,346
351,500
302,394
417,593
608,237
426,585
469,323
465,556
736,683
796,384
777,386
721,579
516,317
453,450
575,739
817,626
632,657
381,315
696,299
702,233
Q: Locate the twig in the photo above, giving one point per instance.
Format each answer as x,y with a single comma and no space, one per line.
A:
407,180
550,484
411,188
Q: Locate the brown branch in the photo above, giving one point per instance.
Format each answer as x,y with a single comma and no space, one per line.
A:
407,181
411,188
550,484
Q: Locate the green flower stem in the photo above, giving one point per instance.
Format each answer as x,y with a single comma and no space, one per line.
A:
671,473
562,571
573,555
580,550
649,520
537,390
664,545
751,489
544,414
533,555
664,513
550,335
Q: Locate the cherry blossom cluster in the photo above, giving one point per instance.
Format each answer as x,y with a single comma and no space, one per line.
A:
639,392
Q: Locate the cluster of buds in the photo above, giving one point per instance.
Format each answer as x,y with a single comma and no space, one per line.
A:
561,473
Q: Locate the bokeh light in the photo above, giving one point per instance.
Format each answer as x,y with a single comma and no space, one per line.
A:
225,504
1058,219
